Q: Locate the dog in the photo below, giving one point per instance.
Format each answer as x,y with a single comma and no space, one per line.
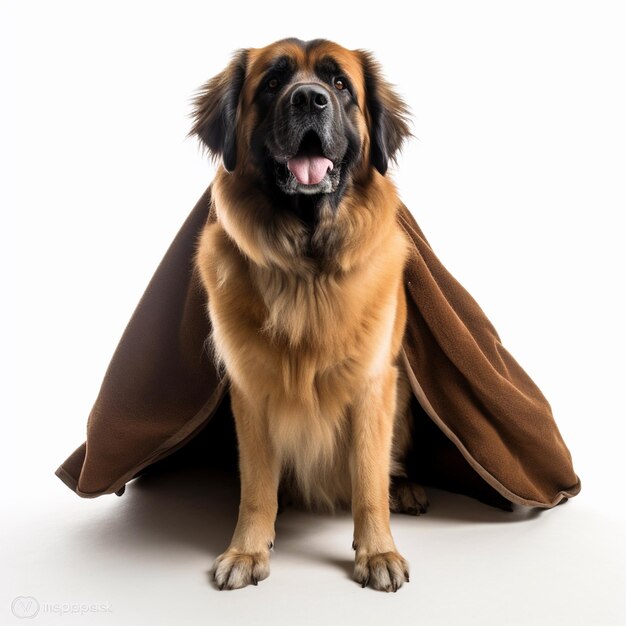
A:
303,272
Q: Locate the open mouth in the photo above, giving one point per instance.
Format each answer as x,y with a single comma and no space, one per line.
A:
308,171
309,166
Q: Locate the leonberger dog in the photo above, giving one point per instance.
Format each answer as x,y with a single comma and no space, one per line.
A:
303,269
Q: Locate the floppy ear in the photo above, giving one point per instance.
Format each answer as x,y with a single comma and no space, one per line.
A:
215,111
388,112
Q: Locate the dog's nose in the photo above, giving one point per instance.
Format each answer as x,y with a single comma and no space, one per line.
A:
310,98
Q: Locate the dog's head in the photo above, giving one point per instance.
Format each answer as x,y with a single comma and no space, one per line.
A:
304,118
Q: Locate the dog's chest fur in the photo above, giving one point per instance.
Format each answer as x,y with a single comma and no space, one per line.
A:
300,347
310,326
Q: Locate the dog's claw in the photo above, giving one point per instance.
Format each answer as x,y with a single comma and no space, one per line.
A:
235,569
385,571
354,545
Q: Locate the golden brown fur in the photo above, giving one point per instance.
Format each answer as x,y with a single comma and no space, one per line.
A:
308,327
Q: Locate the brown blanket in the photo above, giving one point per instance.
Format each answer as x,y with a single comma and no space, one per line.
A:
482,427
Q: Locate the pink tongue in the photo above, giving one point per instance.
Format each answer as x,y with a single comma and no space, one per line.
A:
309,170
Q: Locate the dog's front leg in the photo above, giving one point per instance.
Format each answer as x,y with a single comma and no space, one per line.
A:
246,561
377,559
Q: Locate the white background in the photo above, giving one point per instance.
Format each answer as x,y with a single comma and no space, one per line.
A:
516,176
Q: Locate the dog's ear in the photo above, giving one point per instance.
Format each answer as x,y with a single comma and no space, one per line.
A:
215,111
388,112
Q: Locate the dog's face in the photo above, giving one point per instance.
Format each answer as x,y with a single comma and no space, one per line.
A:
302,118
309,130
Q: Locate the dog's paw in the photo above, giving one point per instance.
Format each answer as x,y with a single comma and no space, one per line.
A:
386,571
407,497
233,570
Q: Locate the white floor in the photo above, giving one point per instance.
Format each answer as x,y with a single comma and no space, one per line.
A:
144,558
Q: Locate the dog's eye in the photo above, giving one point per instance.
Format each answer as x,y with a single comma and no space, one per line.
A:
339,83
273,83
